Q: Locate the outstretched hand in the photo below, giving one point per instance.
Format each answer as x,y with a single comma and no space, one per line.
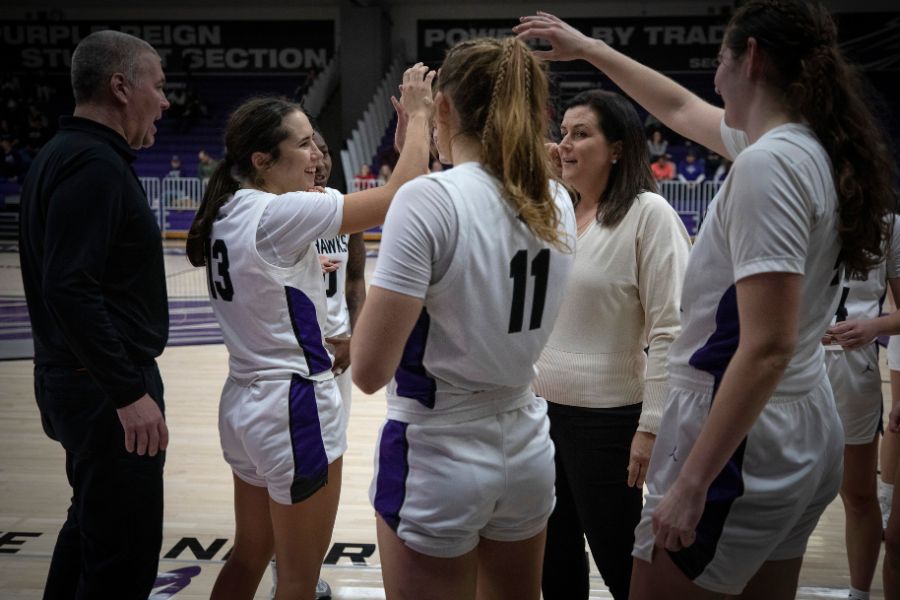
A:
567,43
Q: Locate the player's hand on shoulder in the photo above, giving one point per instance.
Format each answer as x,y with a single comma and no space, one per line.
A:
144,425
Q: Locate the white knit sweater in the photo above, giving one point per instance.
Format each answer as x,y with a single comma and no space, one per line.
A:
623,296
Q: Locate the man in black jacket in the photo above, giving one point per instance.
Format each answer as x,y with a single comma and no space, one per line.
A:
92,266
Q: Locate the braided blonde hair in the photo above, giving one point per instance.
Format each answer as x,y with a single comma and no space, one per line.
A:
500,91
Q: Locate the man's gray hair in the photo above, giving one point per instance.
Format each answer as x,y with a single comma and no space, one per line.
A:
101,54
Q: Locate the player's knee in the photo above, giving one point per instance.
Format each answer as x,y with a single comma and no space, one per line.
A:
859,501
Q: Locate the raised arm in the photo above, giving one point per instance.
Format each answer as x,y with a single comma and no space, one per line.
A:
367,209
678,108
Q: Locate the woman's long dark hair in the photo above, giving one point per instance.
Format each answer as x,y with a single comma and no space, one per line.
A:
631,174
799,39
255,126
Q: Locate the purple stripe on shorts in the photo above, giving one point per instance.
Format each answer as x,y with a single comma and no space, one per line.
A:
306,329
728,485
412,379
310,460
393,467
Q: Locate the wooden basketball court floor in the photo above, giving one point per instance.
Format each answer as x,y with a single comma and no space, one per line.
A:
198,525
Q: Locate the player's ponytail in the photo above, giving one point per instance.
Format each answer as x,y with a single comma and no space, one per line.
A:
799,39
500,92
255,126
221,186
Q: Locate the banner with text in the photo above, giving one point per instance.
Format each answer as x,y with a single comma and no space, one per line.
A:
198,47
672,44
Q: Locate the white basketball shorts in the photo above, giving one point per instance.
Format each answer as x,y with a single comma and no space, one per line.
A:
442,487
856,382
282,434
766,501
893,353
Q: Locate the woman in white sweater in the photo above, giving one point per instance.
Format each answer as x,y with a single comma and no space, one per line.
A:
605,393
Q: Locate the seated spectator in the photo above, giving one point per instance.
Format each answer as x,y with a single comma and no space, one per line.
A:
205,165
365,172
657,145
691,169
384,173
663,168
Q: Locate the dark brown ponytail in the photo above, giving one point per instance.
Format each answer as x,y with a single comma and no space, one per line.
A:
821,87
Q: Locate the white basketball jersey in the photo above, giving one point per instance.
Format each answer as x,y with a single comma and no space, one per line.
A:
338,322
862,298
272,317
485,322
776,212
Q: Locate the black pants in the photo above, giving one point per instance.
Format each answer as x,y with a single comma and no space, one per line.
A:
593,500
109,545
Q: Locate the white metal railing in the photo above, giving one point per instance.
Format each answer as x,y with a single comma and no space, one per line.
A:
690,200
174,201
370,128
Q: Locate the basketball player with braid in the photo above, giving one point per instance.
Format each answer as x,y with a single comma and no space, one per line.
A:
281,421
470,278
749,450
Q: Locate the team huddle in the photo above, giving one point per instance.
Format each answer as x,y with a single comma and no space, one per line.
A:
549,339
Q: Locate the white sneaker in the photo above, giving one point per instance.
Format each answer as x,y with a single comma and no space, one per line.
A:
323,590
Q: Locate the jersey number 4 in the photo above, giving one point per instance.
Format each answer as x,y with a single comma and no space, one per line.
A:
217,258
518,272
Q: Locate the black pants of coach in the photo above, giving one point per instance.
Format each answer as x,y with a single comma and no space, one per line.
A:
109,545
593,500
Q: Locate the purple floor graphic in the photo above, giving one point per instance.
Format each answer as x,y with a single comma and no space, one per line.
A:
191,322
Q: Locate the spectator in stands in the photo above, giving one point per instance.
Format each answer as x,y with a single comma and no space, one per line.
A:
657,145
663,168
436,166
604,393
174,167
691,169
365,172
206,165
384,173
14,163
